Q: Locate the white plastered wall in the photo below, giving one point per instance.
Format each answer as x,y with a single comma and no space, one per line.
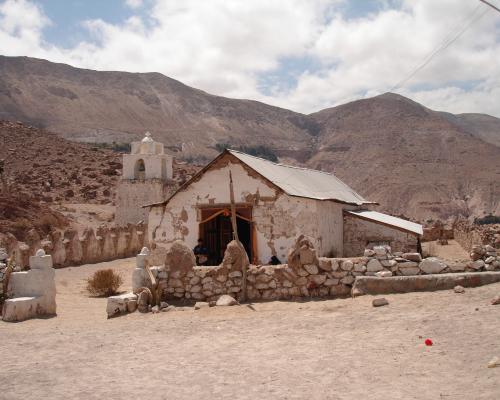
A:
278,218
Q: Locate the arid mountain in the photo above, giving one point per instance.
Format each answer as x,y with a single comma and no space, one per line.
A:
93,106
414,161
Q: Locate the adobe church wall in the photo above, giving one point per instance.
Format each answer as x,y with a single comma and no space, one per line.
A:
276,215
359,234
70,248
131,195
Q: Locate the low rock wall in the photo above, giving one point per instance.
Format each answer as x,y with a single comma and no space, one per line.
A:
71,248
304,276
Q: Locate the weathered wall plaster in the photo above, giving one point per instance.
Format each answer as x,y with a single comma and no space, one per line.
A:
277,216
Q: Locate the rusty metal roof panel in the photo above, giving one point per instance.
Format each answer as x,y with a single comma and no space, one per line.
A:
302,182
400,223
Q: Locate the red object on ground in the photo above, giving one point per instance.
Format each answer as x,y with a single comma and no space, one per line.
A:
428,342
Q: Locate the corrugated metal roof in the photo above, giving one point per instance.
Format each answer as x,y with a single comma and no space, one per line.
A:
389,220
302,182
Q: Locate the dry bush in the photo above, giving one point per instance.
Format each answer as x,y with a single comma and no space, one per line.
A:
104,282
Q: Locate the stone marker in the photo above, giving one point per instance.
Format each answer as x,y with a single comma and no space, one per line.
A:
382,301
226,300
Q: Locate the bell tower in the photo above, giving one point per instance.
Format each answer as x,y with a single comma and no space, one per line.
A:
146,178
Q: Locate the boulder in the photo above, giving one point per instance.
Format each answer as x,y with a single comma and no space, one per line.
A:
201,304
477,265
225,300
382,301
311,269
388,263
347,265
369,253
359,268
325,264
459,289
180,258
413,257
432,265
318,279
374,266
495,300
381,250
408,268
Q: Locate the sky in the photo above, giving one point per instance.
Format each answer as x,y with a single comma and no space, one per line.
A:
303,55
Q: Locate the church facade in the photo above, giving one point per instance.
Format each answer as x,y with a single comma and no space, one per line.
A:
274,204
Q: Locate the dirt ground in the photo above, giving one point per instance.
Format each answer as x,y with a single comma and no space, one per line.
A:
451,251
330,349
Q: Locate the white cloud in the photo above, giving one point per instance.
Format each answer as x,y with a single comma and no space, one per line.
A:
224,47
134,3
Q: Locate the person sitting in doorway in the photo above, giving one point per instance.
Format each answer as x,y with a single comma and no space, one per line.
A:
201,253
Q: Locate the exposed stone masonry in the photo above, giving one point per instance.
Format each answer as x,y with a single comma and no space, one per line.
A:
305,275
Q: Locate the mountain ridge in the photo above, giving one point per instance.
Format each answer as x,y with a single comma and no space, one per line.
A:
411,159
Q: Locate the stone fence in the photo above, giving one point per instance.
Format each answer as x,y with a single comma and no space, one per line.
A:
469,235
305,275
71,248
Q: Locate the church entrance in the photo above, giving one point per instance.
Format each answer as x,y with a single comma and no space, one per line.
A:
216,231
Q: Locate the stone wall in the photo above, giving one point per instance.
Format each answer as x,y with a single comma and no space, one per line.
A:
305,275
360,234
71,248
469,235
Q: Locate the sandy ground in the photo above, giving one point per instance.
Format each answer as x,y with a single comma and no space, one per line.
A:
451,251
332,349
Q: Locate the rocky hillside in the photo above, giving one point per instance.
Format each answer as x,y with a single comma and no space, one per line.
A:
93,106
44,167
414,161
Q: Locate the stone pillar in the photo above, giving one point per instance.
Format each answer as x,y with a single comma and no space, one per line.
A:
140,277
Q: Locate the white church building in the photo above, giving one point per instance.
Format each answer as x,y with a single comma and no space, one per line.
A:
274,204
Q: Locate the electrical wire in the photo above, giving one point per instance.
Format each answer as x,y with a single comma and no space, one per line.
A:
450,38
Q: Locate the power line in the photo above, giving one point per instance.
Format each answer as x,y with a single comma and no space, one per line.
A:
491,5
450,38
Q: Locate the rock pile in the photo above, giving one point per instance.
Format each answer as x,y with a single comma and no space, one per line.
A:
484,258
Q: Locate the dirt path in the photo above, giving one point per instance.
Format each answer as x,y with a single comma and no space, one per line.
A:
451,251
334,349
